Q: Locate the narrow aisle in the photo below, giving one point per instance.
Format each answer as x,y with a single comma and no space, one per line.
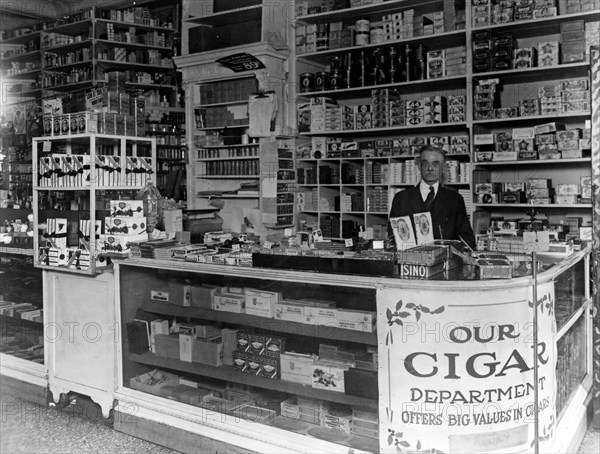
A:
29,428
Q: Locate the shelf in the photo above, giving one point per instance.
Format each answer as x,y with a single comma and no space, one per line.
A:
163,109
150,85
71,270
221,147
534,162
228,196
25,75
228,374
27,56
375,158
432,42
36,92
220,104
60,68
586,206
282,226
125,65
213,128
16,251
445,83
5,319
69,46
247,14
271,324
372,11
72,28
22,39
85,137
527,75
228,177
132,45
74,85
532,119
126,25
391,130
89,188
233,158
537,27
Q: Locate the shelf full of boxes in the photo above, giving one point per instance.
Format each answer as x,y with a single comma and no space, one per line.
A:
393,73
87,174
227,340
531,113
82,52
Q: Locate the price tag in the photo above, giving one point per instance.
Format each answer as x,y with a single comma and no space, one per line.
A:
267,245
317,235
235,247
47,146
349,242
378,244
536,241
287,232
241,62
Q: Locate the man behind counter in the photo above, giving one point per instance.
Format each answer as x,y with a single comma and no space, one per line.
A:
447,207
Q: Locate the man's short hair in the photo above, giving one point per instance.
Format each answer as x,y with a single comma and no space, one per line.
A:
435,148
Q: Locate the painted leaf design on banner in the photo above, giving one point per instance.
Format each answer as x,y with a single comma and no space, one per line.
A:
418,310
545,302
398,440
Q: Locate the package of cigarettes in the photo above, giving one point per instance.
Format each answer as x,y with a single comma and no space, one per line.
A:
575,85
565,199
575,106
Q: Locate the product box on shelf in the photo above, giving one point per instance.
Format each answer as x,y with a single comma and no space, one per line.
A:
133,208
151,382
229,302
254,413
336,416
329,375
261,303
167,345
185,394
229,339
296,367
202,295
207,352
124,225
158,326
269,367
179,294
293,311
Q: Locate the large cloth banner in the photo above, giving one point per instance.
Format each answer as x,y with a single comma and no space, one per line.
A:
456,371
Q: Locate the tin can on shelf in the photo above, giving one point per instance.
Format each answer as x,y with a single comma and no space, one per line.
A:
361,38
335,80
322,80
307,82
335,63
376,35
362,26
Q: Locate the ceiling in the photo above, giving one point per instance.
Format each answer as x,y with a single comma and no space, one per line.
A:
21,13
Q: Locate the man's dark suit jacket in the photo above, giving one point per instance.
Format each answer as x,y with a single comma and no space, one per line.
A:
448,213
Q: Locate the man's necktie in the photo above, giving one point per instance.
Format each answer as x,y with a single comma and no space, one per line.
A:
430,197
